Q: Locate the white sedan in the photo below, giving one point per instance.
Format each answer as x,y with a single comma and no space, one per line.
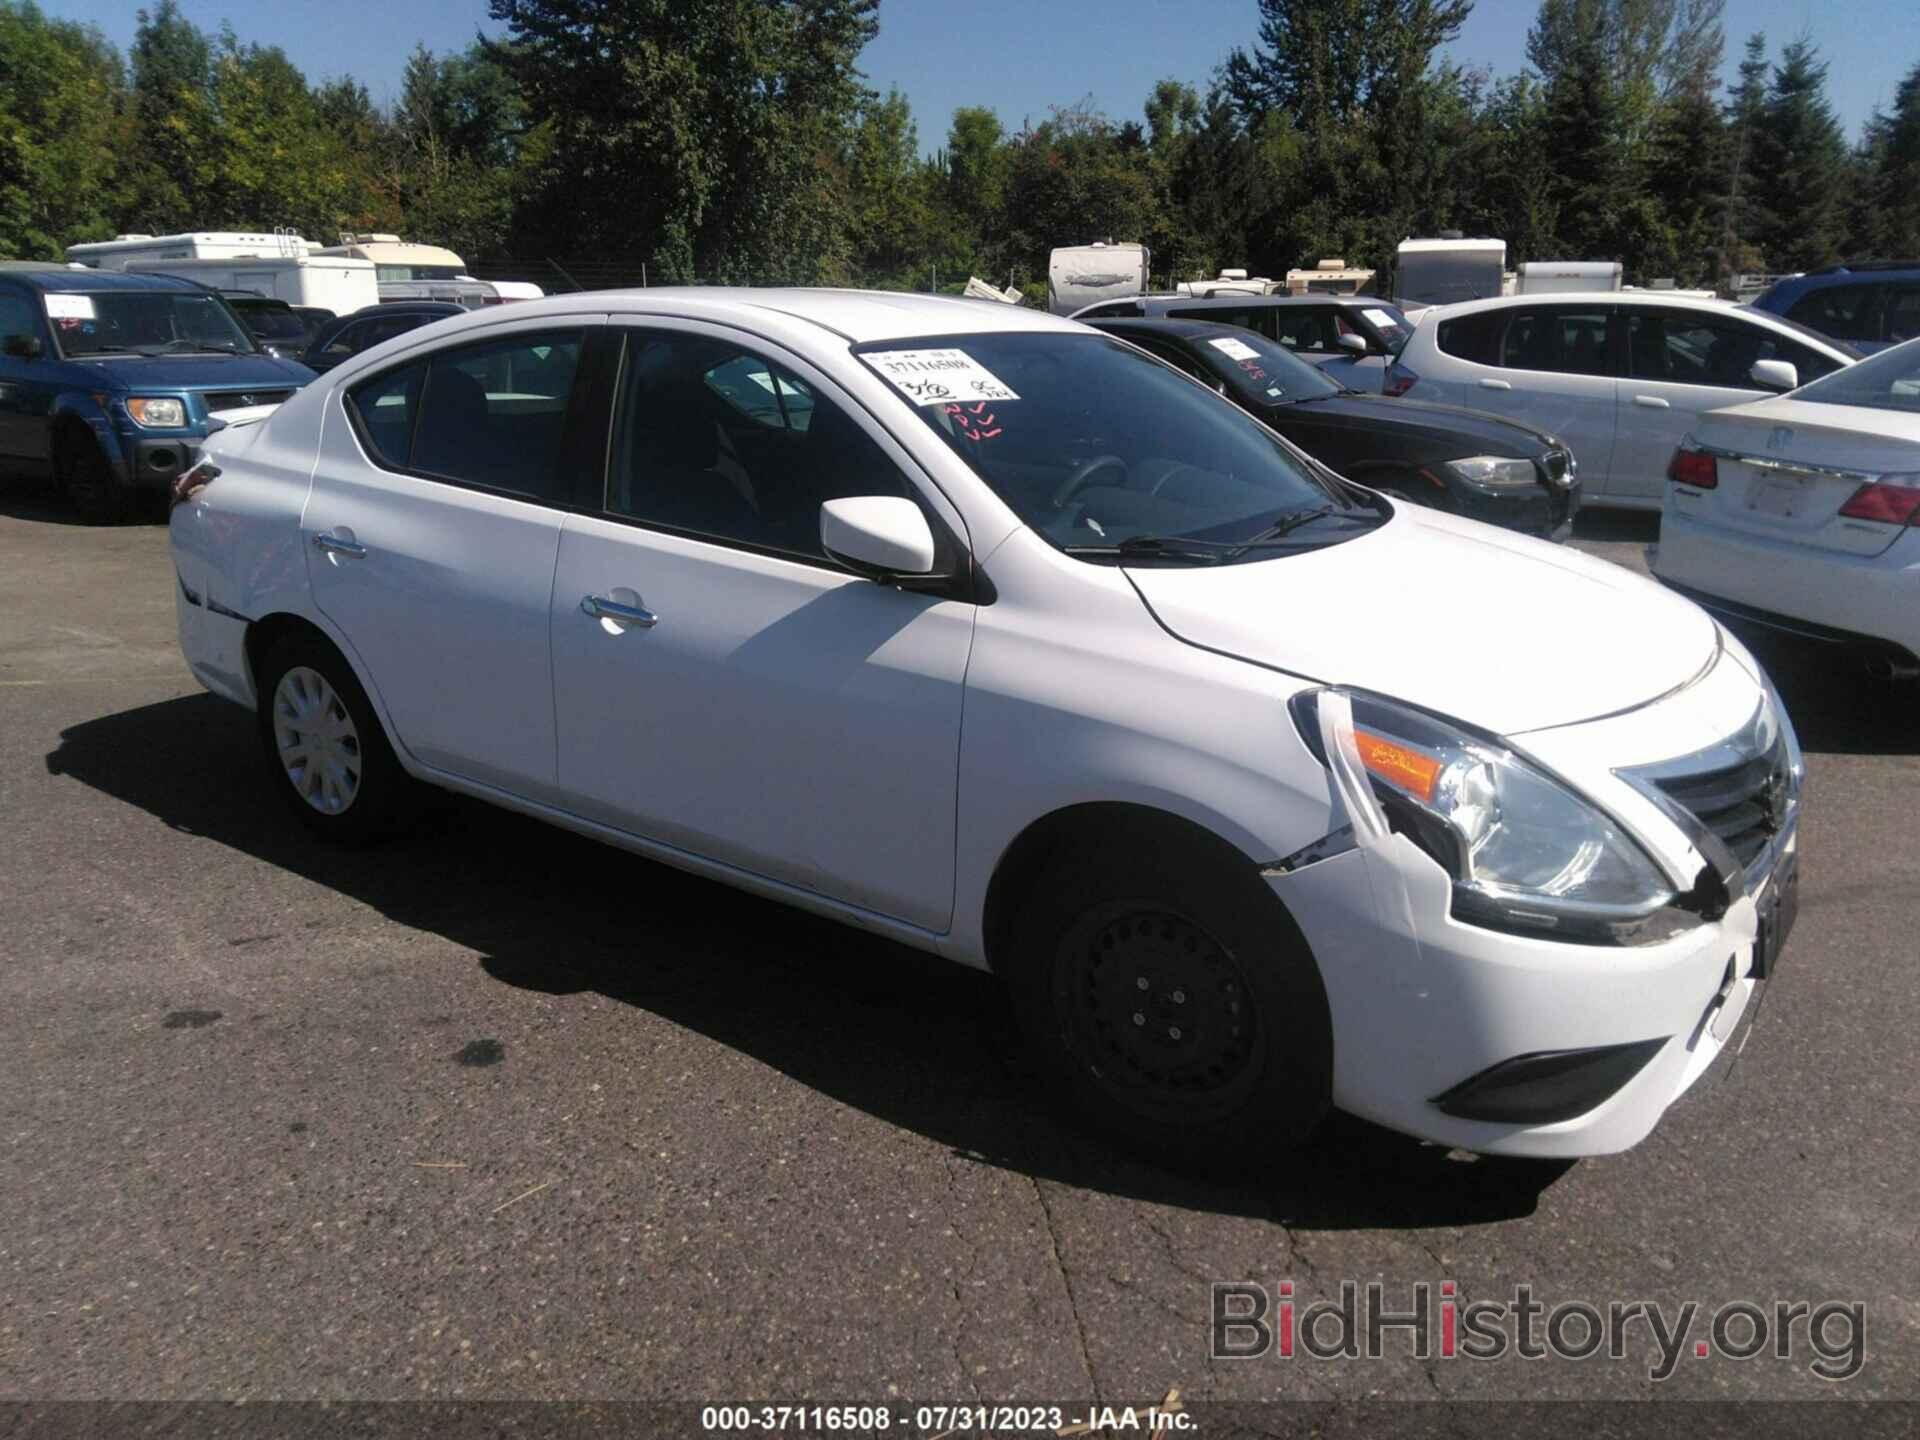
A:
1799,513
981,630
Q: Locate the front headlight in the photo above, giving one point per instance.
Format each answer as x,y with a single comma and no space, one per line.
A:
1495,472
157,414
1526,853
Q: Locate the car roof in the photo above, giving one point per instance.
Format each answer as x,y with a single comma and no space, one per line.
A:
408,307
65,278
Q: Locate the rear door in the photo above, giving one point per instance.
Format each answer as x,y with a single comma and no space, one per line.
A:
431,534
1682,363
1548,365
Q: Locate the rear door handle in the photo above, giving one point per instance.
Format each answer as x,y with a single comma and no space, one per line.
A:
1495,385
1651,402
334,545
602,608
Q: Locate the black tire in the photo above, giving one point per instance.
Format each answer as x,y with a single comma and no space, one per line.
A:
1223,1058
96,493
359,792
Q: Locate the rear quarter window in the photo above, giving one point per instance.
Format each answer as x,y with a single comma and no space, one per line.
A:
1475,338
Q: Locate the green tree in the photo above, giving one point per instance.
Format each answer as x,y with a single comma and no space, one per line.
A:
1889,177
1743,217
61,97
705,131
887,193
1800,166
173,123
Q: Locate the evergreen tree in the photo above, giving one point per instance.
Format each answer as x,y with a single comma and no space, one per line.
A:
1800,165
1744,219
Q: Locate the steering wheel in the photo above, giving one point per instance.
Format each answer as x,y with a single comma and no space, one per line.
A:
1084,473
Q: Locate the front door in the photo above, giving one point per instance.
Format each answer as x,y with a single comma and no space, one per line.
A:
723,687
431,534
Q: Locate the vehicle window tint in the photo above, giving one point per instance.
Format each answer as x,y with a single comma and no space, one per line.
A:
1691,349
1307,328
386,406
1903,314
1565,341
493,413
718,441
1260,319
348,342
1115,309
1174,356
1473,337
18,314
1846,312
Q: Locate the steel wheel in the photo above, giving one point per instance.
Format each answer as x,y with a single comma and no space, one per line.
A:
316,740
1158,1012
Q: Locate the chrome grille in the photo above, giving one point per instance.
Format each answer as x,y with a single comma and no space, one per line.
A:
241,399
1742,793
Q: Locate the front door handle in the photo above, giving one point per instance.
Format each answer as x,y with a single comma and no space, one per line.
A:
334,545
1651,402
601,608
1495,385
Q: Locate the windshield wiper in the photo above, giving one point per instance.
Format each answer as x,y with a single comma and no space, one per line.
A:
1188,548
188,347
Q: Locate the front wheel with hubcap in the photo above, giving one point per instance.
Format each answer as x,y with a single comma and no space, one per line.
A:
324,744
1175,1002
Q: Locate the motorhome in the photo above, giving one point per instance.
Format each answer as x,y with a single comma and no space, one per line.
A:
1330,277
326,282
405,270
1081,275
120,252
1447,269
1554,277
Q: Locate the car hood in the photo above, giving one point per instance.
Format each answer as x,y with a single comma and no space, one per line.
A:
1492,628
202,372
1444,424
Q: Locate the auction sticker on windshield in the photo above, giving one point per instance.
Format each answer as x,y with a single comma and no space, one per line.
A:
938,377
70,307
1238,349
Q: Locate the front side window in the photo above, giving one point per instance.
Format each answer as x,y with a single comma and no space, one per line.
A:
1307,328
1903,314
18,315
1095,445
144,322
719,442
1887,381
491,415
1687,348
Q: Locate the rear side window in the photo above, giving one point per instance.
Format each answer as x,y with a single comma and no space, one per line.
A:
1845,312
1473,337
386,406
491,415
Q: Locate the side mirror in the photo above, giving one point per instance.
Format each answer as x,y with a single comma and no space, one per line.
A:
1356,343
881,536
1775,375
23,347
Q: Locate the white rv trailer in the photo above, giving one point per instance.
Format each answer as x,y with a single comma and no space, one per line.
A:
1450,268
1546,277
1080,275
405,270
119,252
327,281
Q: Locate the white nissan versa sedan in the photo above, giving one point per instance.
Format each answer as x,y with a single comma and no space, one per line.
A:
978,629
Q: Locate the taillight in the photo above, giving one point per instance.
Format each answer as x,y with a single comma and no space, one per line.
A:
1399,380
1696,468
1889,502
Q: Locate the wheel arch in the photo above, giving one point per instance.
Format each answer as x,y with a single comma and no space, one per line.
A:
278,625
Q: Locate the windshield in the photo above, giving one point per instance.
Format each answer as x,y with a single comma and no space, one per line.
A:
1094,444
1260,370
1887,381
144,322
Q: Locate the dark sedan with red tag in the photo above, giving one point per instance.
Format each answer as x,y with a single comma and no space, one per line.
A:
1465,461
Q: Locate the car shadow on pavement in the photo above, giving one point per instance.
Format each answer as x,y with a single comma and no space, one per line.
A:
909,1038
41,501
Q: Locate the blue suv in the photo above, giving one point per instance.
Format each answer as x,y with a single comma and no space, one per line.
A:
1869,305
110,381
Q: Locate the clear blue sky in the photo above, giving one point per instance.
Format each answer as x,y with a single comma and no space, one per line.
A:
1021,56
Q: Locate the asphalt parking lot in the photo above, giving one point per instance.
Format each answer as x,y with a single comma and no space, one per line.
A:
497,1112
